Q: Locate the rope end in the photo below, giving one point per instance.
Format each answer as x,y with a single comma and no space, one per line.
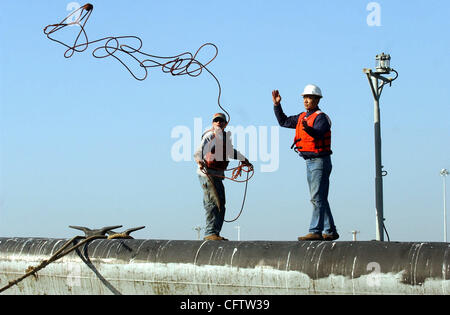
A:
88,7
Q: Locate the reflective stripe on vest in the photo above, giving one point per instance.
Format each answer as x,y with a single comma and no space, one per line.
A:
303,142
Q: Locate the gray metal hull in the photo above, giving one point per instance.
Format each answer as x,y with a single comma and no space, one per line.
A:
156,267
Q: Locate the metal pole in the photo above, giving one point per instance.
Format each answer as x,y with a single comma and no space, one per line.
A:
445,211
378,165
239,232
444,174
354,235
377,82
198,229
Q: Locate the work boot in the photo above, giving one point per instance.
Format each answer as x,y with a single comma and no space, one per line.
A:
214,237
330,237
311,237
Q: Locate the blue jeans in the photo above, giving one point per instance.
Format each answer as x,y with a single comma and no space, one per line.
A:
214,215
318,173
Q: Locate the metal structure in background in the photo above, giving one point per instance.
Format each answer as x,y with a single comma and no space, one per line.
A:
444,174
354,233
377,82
198,229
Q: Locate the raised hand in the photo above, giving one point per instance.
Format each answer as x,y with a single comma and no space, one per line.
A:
276,97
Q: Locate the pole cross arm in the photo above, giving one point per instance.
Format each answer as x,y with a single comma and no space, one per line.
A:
375,92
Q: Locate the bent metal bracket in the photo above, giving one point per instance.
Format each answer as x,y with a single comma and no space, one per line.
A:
183,64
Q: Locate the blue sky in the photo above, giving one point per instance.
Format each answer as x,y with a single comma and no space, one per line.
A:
83,143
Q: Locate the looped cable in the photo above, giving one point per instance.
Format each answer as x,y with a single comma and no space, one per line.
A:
236,172
183,64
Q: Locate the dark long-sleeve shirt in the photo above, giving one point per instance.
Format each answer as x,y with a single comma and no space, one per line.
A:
321,126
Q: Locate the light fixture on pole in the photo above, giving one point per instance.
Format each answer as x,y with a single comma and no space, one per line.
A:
354,233
198,229
383,64
377,83
444,174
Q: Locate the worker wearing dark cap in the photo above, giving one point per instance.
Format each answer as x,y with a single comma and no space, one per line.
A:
212,157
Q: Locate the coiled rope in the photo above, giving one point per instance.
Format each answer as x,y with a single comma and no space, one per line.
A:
236,172
183,64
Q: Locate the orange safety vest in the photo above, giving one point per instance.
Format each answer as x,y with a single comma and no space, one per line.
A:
303,142
210,157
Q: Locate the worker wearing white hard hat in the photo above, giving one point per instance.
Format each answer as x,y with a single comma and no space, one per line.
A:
313,143
312,89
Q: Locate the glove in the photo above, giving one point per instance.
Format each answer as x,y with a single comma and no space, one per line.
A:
305,124
247,163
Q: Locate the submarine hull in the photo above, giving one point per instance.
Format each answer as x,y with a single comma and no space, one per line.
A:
164,267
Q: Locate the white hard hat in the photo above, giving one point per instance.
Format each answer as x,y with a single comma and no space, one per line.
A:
312,89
